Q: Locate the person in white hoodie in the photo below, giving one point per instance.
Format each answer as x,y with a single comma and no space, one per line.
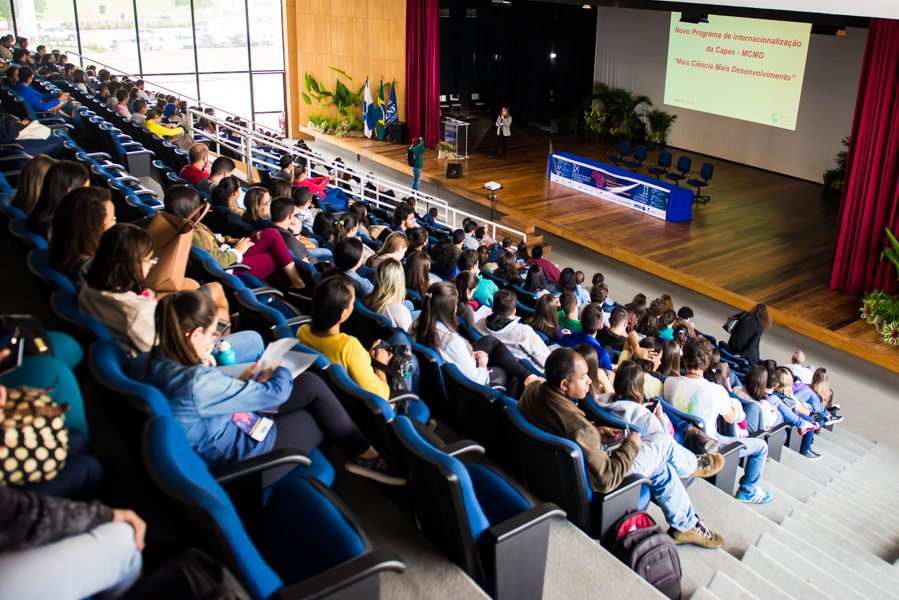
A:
522,341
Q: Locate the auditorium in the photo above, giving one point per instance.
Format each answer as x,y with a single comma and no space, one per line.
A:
449,299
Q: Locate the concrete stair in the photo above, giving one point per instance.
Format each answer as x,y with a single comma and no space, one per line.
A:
830,532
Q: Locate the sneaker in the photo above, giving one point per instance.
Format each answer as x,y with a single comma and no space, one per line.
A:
832,420
375,469
708,465
811,455
698,536
758,497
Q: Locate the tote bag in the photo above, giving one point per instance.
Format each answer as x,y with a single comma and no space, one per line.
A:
172,237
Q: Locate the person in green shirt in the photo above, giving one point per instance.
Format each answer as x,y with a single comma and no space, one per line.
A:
468,261
418,150
568,314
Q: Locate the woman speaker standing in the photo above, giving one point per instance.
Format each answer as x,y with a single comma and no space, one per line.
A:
503,131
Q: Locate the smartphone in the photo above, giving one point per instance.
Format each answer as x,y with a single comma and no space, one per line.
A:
651,405
614,441
12,342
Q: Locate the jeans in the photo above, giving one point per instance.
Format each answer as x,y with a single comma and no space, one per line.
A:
664,462
753,417
755,451
416,177
103,563
322,254
788,416
680,428
247,345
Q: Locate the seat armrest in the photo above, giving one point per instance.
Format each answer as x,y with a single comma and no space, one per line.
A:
236,267
462,447
775,438
299,320
400,397
341,580
267,291
260,463
727,476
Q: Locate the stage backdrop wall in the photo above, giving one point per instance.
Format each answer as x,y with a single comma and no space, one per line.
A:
632,52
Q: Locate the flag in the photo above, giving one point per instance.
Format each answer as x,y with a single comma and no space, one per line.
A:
368,112
382,112
392,113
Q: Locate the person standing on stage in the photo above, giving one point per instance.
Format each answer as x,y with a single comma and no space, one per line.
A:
418,149
503,131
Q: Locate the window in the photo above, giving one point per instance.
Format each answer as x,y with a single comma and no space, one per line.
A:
199,50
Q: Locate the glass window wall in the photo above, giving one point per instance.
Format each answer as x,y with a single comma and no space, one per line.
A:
223,53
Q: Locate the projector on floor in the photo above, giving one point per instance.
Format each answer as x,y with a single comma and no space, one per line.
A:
492,186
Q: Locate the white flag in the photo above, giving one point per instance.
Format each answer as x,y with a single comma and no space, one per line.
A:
368,112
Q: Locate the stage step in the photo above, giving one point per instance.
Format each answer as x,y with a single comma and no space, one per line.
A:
519,224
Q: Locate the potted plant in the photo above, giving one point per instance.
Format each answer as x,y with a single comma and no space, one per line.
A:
443,147
833,178
317,91
660,124
890,333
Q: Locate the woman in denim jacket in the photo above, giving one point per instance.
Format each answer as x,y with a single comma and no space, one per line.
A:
213,408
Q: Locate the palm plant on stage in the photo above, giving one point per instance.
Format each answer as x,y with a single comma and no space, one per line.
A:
624,109
660,124
346,101
316,90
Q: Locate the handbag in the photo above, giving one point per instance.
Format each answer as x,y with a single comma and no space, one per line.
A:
172,239
35,441
731,323
34,131
33,333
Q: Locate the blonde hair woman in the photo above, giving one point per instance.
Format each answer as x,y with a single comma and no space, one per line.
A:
785,388
389,294
395,247
821,386
31,181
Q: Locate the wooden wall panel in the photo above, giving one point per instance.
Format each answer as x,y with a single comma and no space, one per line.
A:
362,37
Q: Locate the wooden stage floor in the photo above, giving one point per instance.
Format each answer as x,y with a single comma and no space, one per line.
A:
763,237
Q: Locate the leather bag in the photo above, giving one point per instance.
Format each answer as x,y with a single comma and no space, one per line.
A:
172,239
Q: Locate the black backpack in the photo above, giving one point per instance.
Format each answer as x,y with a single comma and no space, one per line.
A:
640,543
410,157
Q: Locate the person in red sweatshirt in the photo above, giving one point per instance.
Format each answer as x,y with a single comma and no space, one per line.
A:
550,270
198,167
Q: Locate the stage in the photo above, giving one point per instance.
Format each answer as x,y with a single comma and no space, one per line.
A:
763,237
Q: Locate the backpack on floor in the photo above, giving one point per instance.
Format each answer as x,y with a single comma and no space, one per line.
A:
410,157
640,543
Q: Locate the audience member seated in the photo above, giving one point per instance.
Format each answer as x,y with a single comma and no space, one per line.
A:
458,242
418,238
466,284
567,311
258,209
318,185
169,132
227,193
436,328
484,260
598,295
121,106
685,318
286,165
222,167
199,164
519,338
567,282
394,247
694,395
591,323
430,218
332,305
30,183
747,334
209,405
601,388
61,178
507,269
347,259
616,334
13,131
302,199
535,281
81,218
48,544
285,223
264,252
470,242
361,211
403,218
550,270
800,371
468,262
57,103
552,406
546,319
583,296
418,272
139,112
443,259
389,294
821,386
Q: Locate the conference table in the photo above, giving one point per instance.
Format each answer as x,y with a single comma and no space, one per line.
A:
642,193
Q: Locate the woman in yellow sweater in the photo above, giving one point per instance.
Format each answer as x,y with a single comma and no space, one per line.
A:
170,132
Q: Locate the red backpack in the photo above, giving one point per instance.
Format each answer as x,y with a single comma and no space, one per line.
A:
640,543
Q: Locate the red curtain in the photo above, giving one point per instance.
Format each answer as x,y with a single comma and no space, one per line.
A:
871,186
423,70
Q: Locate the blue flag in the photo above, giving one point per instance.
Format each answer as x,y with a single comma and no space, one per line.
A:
369,116
392,112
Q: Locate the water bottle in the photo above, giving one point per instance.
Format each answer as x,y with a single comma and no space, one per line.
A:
223,354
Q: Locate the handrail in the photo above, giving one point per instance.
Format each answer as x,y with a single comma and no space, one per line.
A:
254,150
253,147
181,95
